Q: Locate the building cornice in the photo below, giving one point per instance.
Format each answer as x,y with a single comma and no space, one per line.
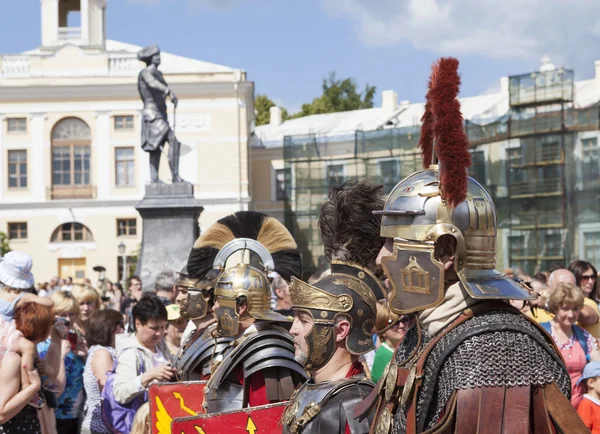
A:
56,204
116,91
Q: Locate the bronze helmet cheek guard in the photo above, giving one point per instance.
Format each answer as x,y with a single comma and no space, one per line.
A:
194,306
320,342
335,296
416,276
228,319
415,216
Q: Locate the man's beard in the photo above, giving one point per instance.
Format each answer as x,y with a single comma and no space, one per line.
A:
301,358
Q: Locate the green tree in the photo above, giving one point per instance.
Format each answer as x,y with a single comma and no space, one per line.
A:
339,95
4,247
263,104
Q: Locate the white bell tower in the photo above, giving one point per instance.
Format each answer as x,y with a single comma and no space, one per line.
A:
90,34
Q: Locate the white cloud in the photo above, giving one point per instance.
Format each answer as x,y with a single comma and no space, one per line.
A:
569,31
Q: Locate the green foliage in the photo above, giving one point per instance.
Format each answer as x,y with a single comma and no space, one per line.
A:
4,247
262,104
338,96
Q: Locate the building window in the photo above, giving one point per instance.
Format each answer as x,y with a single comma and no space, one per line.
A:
280,184
335,175
16,125
591,246
127,227
124,166
552,245
477,169
71,165
71,232
17,169
516,245
17,231
124,123
389,173
590,162
515,155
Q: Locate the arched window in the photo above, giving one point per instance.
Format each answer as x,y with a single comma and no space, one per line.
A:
71,129
72,231
71,149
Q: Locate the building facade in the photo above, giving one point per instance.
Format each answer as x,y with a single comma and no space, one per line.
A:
71,165
534,145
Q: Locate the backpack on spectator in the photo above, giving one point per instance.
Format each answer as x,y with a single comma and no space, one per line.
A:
119,417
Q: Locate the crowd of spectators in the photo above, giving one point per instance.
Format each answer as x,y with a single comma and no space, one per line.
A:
60,341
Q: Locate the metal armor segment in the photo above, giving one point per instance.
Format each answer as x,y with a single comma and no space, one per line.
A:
327,407
194,306
243,244
229,396
195,362
269,346
360,272
228,319
416,277
415,215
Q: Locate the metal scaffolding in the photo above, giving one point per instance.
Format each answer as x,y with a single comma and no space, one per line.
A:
526,158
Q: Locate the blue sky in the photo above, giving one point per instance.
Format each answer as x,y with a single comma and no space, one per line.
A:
288,46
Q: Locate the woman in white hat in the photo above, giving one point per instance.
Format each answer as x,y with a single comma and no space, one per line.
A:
15,278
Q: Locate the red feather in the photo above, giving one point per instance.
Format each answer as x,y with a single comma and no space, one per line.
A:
427,120
451,146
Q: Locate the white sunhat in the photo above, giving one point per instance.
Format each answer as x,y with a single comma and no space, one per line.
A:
15,270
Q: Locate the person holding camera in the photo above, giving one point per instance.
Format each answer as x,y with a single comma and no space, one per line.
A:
73,352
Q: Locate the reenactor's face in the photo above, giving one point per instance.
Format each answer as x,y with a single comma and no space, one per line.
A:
301,328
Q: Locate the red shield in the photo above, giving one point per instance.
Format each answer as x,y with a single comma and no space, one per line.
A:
171,400
254,420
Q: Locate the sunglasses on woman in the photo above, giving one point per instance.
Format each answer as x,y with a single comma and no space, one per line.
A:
585,278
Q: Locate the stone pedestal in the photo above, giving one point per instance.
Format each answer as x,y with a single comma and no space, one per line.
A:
170,226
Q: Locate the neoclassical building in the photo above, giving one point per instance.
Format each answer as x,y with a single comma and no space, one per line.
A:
71,166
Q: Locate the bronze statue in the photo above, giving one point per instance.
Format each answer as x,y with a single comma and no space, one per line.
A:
156,131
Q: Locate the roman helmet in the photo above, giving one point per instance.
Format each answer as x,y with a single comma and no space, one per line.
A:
338,295
351,243
274,249
438,201
200,294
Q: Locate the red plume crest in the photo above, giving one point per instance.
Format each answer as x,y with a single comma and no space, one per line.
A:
443,122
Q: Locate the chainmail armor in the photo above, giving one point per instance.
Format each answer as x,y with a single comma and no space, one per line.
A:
497,358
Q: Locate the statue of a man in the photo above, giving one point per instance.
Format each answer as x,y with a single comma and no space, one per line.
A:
155,125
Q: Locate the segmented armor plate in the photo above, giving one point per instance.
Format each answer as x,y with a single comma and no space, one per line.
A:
327,407
268,347
195,362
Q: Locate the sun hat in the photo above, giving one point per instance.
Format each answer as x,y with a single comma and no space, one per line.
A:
591,370
15,270
173,312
